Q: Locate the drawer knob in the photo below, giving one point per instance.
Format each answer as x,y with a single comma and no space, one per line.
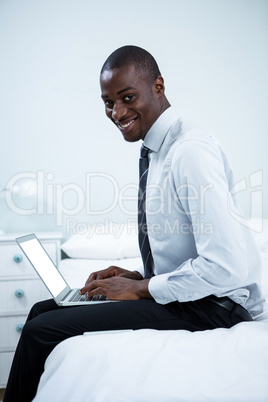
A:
19,328
17,258
19,293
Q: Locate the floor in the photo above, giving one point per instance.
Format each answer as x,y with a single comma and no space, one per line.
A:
2,391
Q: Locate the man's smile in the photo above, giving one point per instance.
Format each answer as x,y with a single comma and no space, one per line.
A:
123,125
126,124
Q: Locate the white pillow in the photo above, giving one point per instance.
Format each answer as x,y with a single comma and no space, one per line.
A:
115,241
104,242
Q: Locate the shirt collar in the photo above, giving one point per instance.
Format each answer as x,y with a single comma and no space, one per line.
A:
157,133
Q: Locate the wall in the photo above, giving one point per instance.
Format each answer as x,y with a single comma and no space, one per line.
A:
212,54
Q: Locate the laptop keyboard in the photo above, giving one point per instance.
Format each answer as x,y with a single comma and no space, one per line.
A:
76,297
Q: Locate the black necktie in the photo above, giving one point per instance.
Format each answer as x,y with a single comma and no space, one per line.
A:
143,234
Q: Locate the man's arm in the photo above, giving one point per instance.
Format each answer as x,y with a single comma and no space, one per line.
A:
221,264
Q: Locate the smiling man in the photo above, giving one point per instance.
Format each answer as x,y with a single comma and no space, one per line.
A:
133,108
201,268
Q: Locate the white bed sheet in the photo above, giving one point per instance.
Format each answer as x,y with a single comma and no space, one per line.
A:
149,365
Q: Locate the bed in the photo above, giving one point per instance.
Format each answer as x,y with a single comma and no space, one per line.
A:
149,365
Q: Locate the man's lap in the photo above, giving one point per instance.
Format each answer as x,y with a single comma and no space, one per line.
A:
64,322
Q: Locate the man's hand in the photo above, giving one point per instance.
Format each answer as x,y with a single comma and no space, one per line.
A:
117,284
113,271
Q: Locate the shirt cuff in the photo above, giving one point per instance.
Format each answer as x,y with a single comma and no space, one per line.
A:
140,270
158,288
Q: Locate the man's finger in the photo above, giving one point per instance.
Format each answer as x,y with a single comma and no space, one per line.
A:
95,284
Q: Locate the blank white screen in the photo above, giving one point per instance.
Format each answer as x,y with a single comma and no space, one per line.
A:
44,266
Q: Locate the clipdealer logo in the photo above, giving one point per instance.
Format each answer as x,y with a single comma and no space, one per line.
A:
52,198
254,186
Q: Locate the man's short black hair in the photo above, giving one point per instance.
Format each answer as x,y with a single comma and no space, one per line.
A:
142,60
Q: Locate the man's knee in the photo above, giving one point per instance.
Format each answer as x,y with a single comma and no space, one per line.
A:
31,330
41,307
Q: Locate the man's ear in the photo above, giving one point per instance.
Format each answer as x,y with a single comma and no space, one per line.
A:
159,86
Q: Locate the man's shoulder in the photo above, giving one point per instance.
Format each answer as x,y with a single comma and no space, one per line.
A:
185,136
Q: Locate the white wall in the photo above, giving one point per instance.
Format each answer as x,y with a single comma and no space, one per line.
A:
214,58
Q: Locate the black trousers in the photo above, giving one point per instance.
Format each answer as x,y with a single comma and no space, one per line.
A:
47,325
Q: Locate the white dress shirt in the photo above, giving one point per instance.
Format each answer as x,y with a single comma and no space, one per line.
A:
198,247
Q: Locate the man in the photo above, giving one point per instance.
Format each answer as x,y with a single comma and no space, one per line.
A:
201,268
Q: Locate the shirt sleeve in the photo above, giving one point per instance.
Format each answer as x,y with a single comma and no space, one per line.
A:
221,262
140,270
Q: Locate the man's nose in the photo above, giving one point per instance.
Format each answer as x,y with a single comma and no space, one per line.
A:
119,111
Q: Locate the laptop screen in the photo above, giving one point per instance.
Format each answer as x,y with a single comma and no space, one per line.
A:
43,265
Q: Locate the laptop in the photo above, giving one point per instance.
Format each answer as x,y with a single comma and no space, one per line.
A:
52,278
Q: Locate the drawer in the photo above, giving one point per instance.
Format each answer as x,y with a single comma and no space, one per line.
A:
11,328
5,364
20,295
13,262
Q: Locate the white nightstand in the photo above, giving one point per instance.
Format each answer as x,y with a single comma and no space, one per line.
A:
20,288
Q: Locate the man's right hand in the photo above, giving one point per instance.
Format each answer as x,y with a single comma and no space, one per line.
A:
113,271
117,283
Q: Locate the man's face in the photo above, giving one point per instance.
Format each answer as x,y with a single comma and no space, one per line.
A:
131,102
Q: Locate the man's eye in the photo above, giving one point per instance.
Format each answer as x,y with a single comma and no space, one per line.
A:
128,97
108,103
